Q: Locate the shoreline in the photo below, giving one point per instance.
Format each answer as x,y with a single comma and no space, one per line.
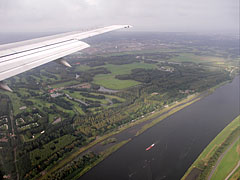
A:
149,120
211,149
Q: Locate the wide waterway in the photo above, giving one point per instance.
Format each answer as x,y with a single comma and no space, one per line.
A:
179,140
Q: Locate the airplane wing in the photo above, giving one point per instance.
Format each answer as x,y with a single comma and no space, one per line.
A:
19,57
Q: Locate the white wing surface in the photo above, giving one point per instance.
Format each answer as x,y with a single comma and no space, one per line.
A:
19,57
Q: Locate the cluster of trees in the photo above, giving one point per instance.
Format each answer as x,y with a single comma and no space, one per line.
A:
6,153
138,100
54,110
4,105
33,171
183,77
7,160
166,84
52,133
35,115
162,56
115,101
97,124
75,167
86,94
95,63
90,125
60,101
100,70
117,60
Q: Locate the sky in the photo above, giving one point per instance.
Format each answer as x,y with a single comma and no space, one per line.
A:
145,15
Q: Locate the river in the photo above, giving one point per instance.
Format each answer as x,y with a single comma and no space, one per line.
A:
179,140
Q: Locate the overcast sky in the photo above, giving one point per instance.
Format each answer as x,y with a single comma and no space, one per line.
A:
148,15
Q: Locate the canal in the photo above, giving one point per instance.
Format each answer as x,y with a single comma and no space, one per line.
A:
179,139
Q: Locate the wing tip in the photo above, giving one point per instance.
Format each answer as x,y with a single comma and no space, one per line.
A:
128,26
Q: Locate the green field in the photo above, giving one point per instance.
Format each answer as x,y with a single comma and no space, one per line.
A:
228,163
77,95
109,80
17,102
189,57
211,149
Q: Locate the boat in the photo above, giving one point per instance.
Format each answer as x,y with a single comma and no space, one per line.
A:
150,147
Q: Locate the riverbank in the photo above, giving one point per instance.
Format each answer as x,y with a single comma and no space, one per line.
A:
104,155
219,158
132,129
129,130
178,139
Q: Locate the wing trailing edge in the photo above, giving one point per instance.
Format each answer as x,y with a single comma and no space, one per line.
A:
19,57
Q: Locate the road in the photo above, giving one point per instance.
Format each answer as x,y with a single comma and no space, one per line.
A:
221,157
233,171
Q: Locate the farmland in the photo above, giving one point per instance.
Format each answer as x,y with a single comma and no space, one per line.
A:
60,111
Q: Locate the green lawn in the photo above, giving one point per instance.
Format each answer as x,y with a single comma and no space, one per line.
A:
77,95
116,97
227,164
83,67
189,57
109,80
40,104
17,102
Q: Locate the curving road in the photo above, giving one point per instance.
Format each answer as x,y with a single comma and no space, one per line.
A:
233,171
221,157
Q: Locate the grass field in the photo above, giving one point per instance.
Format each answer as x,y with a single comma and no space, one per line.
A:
77,95
209,151
40,104
188,57
228,163
109,80
17,102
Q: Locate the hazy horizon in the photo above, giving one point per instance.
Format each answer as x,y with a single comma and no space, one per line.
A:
214,16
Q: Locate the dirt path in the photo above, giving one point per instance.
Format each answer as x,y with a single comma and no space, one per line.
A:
221,157
233,171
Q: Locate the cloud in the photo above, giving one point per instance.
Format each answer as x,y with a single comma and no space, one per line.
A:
157,15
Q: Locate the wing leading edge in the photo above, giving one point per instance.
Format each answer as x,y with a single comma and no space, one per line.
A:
19,57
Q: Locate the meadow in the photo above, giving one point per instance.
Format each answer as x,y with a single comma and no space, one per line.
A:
109,80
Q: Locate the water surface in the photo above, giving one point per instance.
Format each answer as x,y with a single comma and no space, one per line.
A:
179,140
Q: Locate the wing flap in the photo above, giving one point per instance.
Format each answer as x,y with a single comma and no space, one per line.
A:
19,57
37,57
